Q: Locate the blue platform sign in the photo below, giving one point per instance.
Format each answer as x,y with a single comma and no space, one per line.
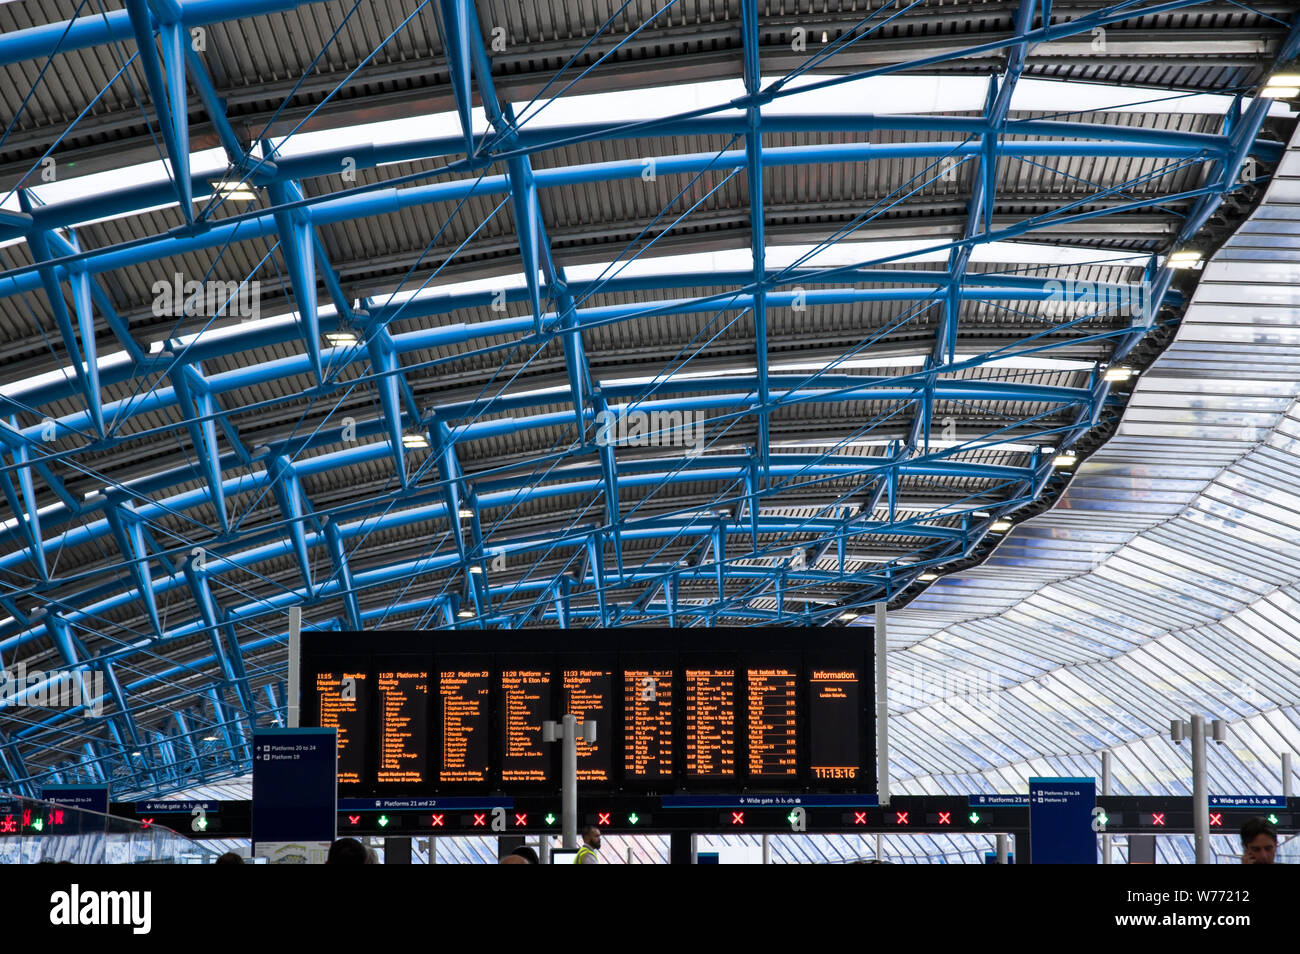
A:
1060,821
90,798
295,785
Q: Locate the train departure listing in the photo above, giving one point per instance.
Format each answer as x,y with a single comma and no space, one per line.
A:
773,726
525,705
711,723
587,696
343,700
465,743
403,727
648,723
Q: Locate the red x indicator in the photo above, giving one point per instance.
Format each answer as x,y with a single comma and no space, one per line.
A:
738,818
859,818
901,819
1158,818
945,818
521,820
602,818
146,822
437,821
480,819
1216,819
354,819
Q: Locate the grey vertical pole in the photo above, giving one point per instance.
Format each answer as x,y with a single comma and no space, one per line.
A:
433,850
1200,794
882,708
767,851
880,846
695,849
629,854
1286,774
569,776
295,664
1105,790
1002,849
544,849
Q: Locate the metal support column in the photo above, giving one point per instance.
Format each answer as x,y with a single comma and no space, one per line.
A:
1002,849
1286,774
882,708
1200,793
295,663
1105,790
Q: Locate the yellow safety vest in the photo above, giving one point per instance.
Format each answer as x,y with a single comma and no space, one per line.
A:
583,851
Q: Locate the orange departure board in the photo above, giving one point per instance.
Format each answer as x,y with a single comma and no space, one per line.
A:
343,698
525,705
587,696
403,726
711,723
464,695
834,749
648,724
772,726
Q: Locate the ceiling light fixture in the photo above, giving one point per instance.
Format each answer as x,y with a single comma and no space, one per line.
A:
1119,373
1064,460
1185,258
1001,526
414,441
341,339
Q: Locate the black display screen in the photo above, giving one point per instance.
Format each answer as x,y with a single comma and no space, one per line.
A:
676,711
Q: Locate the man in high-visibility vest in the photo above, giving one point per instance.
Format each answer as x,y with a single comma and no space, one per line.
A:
590,845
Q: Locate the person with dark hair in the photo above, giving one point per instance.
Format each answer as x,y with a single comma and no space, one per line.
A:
1258,842
347,851
229,858
590,845
526,853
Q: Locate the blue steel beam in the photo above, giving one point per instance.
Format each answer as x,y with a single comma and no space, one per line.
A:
292,221
1132,142
167,91
757,238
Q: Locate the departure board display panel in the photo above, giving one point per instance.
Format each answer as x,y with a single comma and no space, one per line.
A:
342,703
525,705
649,705
464,698
588,694
403,726
677,711
710,709
835,747
772,722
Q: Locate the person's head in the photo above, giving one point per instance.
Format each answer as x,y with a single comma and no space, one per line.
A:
229,858
513,859
528,854
591,836
347,851
1258,842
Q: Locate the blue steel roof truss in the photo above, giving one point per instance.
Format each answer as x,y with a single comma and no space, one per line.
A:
739,543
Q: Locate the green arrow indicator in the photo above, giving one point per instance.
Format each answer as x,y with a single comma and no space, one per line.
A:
974,818
201,823
1103,819
383,821
39,824
1272,819
792,817
633,818
550,819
